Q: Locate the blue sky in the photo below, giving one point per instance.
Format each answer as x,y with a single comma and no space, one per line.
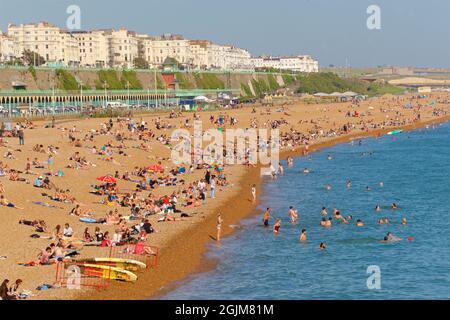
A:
413,32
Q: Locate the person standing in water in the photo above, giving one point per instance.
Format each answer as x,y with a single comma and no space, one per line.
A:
254,193
280,169
293,215
219,226
266,217
303,237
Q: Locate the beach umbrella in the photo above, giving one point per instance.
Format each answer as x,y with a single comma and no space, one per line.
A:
106,179
155,168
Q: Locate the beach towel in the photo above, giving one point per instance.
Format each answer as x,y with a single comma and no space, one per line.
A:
46,205
88,220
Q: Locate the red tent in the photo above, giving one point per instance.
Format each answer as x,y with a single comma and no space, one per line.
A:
155,168
107,179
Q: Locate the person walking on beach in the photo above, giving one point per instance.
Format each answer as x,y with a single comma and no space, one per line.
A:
212,186
254,193
20,134
219,226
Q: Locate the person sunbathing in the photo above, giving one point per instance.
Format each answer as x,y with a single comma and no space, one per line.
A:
113,218
79,212
4,202
39,225
44,256
14,176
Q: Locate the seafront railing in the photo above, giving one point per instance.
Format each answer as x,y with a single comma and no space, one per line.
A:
152,70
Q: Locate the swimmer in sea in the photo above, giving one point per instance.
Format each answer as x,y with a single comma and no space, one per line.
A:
386,221
349,218
329,158
290,161
377,208
338,216
391,238
349,184
324,211
303,236
404,222
328,223
266,217
323,222
322,246
381,184
277,226
293,215
368,188
394,206
306,171
359,223
327,187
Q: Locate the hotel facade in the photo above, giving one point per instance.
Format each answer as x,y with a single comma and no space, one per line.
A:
110,48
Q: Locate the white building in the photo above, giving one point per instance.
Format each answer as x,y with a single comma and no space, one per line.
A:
42,38
170,46
119,49
6,48
301,63
93,48
123,48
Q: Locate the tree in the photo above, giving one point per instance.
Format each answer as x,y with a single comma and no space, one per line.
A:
140,63
32,58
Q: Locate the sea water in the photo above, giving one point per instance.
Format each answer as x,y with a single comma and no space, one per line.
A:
411,169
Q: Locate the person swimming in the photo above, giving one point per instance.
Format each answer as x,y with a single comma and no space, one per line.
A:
404,222
306,170
349,184
391,238
394,206
322,246
277,226
303,236
324,211
377,208
359,223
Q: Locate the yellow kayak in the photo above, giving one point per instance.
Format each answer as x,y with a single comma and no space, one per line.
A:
109,273
125,264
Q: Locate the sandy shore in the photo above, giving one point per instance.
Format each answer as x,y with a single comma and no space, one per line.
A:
182,243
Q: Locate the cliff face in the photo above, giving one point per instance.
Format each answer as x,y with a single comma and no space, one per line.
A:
46,79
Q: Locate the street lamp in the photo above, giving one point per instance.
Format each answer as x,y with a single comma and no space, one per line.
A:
105,85
156,89
81,95
128,92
